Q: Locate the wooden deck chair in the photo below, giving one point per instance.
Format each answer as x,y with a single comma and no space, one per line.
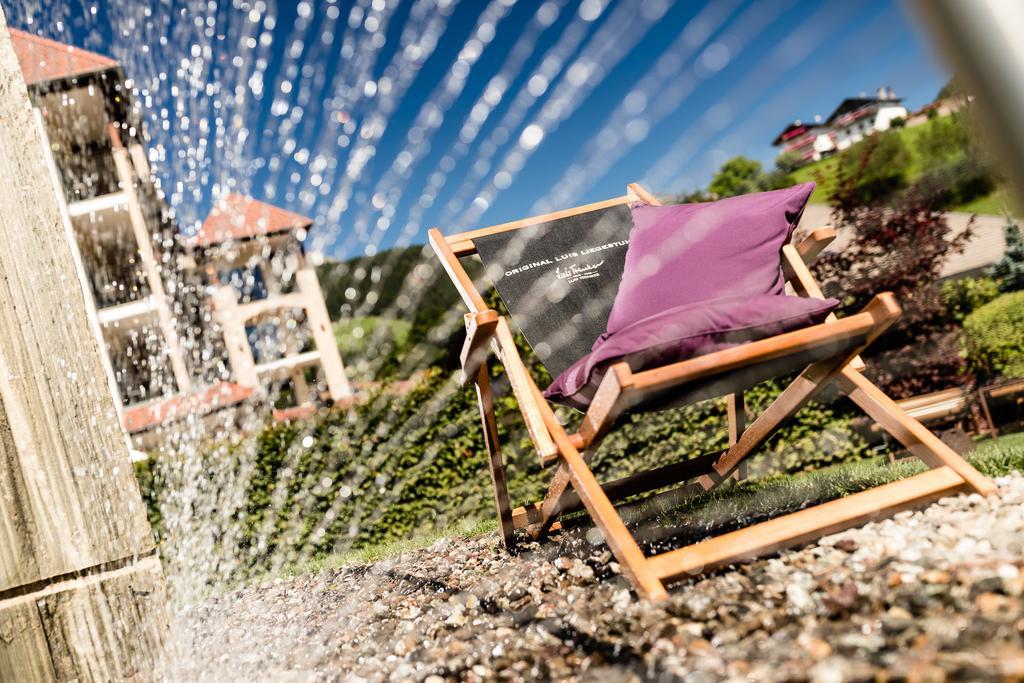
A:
828,353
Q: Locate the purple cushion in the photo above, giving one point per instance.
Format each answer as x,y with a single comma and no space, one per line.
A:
686,253
683,332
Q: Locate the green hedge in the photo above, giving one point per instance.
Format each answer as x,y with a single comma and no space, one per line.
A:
962,296
397,467
994,337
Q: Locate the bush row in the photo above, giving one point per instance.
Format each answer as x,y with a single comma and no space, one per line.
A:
994,337
396,467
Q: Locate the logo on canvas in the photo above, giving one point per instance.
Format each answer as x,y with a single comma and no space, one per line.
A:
574,273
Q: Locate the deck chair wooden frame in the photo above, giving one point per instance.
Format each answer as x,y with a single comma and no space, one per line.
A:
574,486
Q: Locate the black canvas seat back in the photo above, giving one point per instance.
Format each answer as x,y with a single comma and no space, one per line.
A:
558,279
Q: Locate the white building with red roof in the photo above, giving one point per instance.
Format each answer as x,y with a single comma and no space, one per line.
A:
854,119
805,141
267,299
858,117
157,343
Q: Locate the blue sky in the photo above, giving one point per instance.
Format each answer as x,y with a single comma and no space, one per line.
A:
381,119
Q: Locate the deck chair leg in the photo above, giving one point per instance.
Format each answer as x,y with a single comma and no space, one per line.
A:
501,501
601,415
737,409
551,505
917,438
792,398
614,530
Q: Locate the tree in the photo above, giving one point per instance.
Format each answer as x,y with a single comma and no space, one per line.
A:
741,175
899,248
956,169
788,162
952,88
943,139
693,197
775,180
738,175
1009,270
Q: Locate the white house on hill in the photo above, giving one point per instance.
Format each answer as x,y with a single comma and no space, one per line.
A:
857,117
808,142
854,119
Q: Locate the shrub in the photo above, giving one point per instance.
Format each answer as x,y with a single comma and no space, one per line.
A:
957,182
1009,270
994,337
899,248
963,295
788,162
398,467
878,166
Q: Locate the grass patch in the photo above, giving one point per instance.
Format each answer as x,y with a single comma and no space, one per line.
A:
997,203
389,549
821,172
750,502
998,457
353,334
669,522
757,500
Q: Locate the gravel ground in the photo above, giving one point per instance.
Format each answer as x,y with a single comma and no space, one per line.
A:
929,595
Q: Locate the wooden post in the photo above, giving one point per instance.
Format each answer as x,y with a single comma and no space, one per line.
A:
144,241
81,589
736,407
225,310
320,323
993,432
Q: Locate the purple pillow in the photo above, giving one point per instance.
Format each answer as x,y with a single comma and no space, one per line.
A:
687,253
685,331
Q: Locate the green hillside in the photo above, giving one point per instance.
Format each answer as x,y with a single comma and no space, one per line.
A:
347,284
387,306
920,143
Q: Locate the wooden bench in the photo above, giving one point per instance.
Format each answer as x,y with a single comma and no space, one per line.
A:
938,406
938,409
1003,390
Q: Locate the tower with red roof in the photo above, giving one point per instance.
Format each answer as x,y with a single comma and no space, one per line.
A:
267,298
156,342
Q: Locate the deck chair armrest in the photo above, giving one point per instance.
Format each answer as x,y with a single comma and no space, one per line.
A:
870,322
606,406
810,247
794,267
796,272
480,328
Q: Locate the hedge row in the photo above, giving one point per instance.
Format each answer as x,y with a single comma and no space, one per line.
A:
994,337
396,467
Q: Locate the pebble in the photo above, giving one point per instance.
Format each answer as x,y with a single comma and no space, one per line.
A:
931,595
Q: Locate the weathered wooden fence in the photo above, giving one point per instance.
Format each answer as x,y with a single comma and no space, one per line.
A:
81,589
